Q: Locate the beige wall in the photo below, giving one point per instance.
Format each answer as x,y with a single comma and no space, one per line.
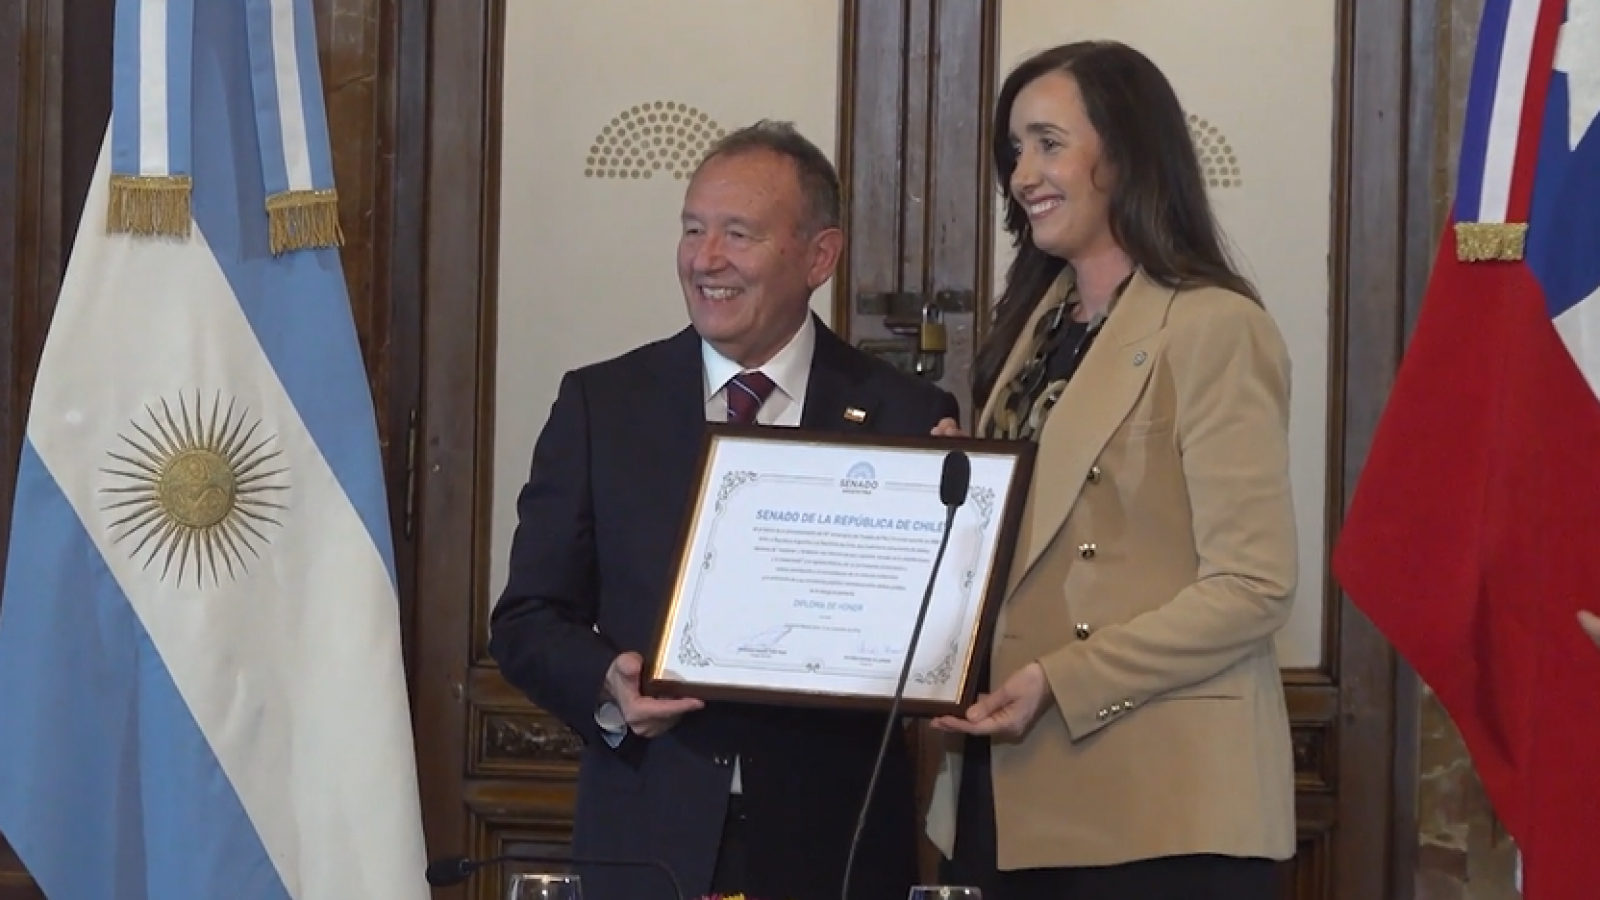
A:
1258,82
587,242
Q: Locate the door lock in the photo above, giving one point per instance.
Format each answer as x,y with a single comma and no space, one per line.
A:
917,322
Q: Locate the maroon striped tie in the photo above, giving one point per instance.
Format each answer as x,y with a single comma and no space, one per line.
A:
746,392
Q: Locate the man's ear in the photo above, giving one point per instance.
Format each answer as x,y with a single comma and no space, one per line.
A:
826,248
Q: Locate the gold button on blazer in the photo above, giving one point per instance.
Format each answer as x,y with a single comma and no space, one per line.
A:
1155,561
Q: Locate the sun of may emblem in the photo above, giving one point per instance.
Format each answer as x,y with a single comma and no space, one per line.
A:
197,489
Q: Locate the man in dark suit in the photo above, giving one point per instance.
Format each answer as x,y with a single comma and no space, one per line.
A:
735,798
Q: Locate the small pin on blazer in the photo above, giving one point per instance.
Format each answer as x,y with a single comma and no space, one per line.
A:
855,415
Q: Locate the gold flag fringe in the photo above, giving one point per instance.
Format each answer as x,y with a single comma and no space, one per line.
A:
150,205
1490,241
304,219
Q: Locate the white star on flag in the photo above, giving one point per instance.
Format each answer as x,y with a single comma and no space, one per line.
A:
1577,54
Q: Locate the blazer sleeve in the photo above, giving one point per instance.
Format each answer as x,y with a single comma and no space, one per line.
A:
542,631
1230,369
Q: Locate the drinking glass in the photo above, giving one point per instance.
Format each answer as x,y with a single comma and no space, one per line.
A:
945,892
542,886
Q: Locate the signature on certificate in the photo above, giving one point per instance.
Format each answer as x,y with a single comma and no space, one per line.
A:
765,640
870,648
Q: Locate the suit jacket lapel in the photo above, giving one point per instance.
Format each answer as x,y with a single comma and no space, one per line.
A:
671,397
670,405
834,400
1105,388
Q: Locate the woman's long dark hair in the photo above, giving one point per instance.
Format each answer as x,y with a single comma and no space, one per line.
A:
1159,212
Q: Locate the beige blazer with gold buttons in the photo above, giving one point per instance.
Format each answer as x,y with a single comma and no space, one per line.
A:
1155,561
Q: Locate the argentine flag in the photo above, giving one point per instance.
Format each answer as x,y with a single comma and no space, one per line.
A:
201,686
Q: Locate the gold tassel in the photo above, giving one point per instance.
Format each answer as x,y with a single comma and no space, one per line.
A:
303,219
149,205
1490,241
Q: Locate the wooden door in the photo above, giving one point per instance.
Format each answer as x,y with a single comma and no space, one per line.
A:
30,235
51,117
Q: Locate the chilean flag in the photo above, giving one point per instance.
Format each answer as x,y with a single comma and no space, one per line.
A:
1473,538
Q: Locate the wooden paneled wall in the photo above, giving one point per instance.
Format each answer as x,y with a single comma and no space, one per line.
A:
51,115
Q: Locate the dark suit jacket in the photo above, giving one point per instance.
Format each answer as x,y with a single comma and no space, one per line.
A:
591,564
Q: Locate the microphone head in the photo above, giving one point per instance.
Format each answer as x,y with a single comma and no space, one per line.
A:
448,871
955,479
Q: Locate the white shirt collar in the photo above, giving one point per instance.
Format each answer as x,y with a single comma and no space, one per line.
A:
789,369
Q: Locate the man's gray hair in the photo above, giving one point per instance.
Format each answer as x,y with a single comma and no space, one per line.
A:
819,181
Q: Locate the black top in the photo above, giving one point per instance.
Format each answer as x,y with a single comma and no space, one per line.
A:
1059,343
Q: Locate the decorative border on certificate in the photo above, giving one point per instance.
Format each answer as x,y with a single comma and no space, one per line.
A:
805,558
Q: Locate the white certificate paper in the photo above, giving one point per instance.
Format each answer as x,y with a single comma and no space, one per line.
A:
806,563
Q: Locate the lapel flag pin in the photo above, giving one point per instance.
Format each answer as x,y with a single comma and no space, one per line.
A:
855,415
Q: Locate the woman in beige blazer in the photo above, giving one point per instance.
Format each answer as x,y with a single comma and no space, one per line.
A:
1134,743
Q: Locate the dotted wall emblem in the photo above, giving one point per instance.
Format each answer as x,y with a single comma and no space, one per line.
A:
662,136
1217,160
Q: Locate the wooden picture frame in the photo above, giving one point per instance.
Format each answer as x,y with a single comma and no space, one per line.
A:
804,560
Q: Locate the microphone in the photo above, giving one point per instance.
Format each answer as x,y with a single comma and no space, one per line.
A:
953,484
954,481
452,870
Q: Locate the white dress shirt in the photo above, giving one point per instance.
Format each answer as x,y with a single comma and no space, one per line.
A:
790,370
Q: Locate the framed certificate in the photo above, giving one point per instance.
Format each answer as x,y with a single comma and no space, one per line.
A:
805,558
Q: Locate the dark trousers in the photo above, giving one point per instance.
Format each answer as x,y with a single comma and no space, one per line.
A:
875,876
1201,877
729,876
